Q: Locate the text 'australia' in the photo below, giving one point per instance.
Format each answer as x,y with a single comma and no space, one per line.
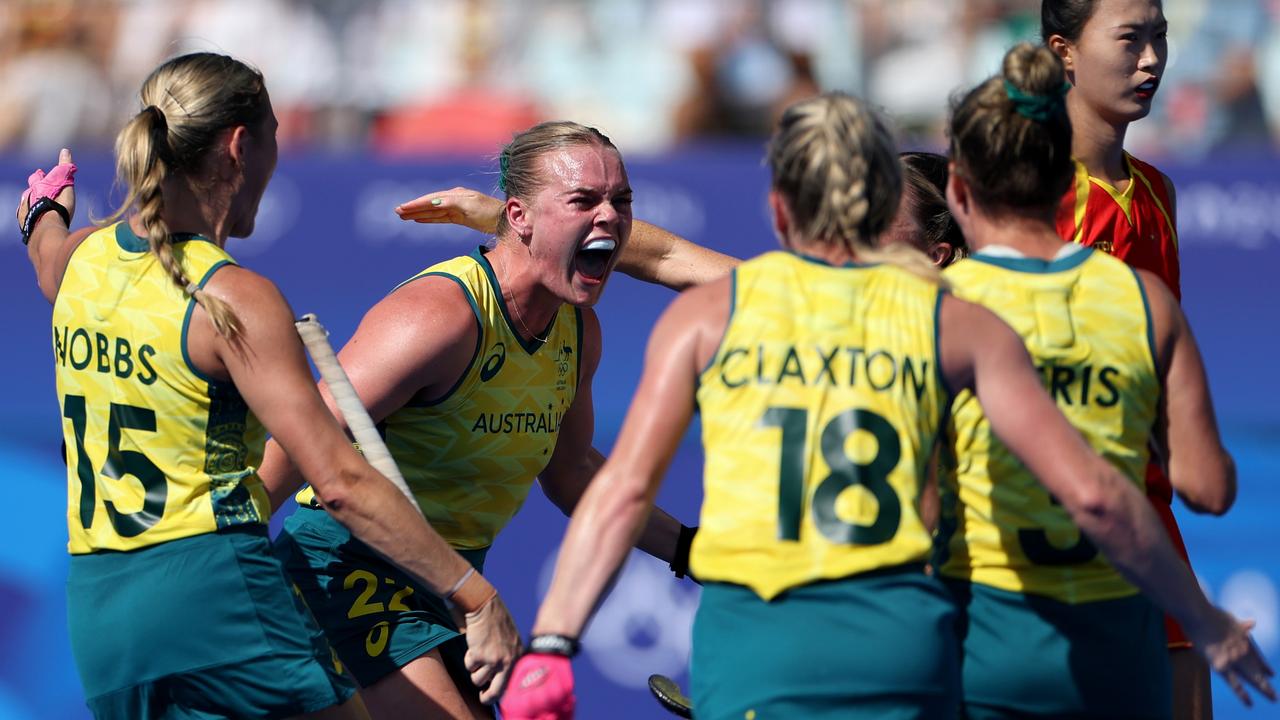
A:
518,422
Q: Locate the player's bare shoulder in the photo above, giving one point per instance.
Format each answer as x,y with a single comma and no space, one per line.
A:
432,309
420,338
701,315
245,290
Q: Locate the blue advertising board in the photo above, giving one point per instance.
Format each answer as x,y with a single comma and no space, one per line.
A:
326,234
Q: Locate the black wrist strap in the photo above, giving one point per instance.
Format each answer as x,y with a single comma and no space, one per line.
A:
554,645
42,206
680,560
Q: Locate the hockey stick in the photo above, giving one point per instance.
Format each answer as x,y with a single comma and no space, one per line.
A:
316,339
668,693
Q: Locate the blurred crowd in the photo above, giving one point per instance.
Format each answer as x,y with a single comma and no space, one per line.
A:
441,76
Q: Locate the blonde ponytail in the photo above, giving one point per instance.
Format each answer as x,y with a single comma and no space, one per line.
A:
140,165
187,102
907,258
833,159
1011,135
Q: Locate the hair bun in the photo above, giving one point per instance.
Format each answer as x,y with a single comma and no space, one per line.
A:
1034,70
1011,135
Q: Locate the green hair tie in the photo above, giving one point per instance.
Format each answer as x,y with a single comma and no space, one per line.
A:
1038,107
504,164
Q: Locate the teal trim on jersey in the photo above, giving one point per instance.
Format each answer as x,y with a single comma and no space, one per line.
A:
404,282
948,501
186,322
129,241
226,458
577,316
937,350
475,309
1151,327
948,396
1036,265
824,263
733,305
530,346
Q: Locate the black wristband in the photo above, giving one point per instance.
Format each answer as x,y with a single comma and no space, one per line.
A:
42,206
680,560
554,645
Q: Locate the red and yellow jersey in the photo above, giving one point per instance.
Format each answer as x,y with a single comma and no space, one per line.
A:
1136,225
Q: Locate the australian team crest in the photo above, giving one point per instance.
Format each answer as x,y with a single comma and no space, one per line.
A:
564,363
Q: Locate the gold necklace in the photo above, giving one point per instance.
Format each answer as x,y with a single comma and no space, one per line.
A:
534,335
520,317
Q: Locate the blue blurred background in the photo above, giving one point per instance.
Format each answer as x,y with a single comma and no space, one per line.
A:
383,101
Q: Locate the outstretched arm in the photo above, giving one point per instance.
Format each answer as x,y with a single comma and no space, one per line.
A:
1186,434
652,254
268,366
575,462
664,258
612,511
981,352
51,243
457,206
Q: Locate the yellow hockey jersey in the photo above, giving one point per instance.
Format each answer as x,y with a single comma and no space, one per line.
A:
1086,324
156,451
471,456
819,411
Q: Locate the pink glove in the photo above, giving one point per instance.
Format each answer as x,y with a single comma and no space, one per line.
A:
541,688
40,185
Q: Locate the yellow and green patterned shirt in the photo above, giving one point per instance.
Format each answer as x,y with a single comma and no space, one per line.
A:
471,456
156,451
1086,324
819,412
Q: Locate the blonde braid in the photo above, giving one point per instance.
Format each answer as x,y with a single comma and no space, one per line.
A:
188,101
907,258
833,159
847,202
140,162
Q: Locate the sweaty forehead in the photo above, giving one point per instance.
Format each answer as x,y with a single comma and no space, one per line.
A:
1109,14
578,166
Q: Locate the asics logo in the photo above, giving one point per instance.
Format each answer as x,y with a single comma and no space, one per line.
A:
493,363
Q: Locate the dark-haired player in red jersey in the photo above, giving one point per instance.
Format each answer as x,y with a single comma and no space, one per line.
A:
1115,53
1135,225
